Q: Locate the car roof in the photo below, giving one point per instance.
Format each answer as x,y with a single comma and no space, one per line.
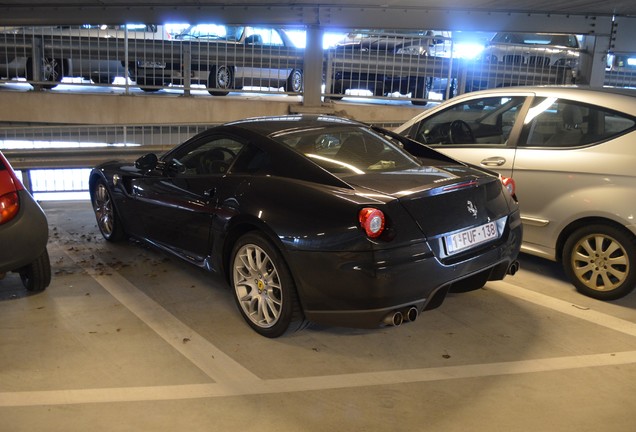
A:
619,99
276,124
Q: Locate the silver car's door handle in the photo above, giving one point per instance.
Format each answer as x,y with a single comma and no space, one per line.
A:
493,161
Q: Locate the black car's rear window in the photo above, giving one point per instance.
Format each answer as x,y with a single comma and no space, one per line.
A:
348,150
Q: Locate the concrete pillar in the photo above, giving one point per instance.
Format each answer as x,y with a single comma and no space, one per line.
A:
312,71
593,62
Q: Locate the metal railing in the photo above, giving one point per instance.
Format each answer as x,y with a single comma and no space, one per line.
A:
380,64
149,58
53,160
621,69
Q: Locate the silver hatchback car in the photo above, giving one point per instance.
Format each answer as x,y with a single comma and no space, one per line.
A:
572,155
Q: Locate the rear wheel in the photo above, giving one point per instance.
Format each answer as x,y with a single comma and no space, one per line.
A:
108,220
143,85
599,260
221,77
294,82
37,275
264,289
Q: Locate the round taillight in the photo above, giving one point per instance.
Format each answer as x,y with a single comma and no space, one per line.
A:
9,206
509,184
372,221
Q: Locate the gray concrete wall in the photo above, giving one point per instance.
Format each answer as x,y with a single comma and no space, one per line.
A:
99,109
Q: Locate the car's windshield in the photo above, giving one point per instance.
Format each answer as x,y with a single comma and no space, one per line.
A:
212,31
348,150
564,40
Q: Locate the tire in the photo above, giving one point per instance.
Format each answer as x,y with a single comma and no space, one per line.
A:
600,261
101,79
294,82
37,275
264,290
421,91
141,82
52,71
221,77
108,220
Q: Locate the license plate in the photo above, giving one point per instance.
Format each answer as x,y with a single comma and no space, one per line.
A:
466,239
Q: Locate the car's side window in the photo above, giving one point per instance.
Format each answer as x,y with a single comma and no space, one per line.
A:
212,156
253,161
262,36
562,123
477,121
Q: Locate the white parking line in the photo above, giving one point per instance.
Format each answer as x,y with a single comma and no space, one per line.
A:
568,308
232,379
207,357
329,382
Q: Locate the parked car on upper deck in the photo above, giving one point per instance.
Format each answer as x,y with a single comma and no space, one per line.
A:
92,52
24,232
316,218
572,153
372,51
527,59
219,61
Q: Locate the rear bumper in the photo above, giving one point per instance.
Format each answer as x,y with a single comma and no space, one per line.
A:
25,237
361,289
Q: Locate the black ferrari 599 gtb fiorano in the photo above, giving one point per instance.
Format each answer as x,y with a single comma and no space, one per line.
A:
317,219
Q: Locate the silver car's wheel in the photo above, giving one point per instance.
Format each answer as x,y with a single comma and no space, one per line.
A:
221,77
294,81
263,287
599,260
105,213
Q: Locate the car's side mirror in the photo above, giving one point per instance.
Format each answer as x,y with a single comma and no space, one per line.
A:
147,162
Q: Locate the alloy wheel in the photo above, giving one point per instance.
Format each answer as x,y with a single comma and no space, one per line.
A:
104,212
600,262
258,286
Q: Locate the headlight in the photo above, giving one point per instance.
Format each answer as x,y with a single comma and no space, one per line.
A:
412,50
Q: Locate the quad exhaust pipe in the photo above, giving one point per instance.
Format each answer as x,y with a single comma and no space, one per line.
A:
397,317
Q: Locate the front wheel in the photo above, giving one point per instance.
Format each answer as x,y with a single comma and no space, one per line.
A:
51,71
37,275
263,286
221,77
599,260
108,220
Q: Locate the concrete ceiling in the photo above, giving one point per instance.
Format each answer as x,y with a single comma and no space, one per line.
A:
579,7
452,14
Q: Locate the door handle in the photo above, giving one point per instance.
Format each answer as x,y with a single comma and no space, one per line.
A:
494,161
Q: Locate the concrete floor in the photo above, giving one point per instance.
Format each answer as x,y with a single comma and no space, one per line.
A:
126,339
